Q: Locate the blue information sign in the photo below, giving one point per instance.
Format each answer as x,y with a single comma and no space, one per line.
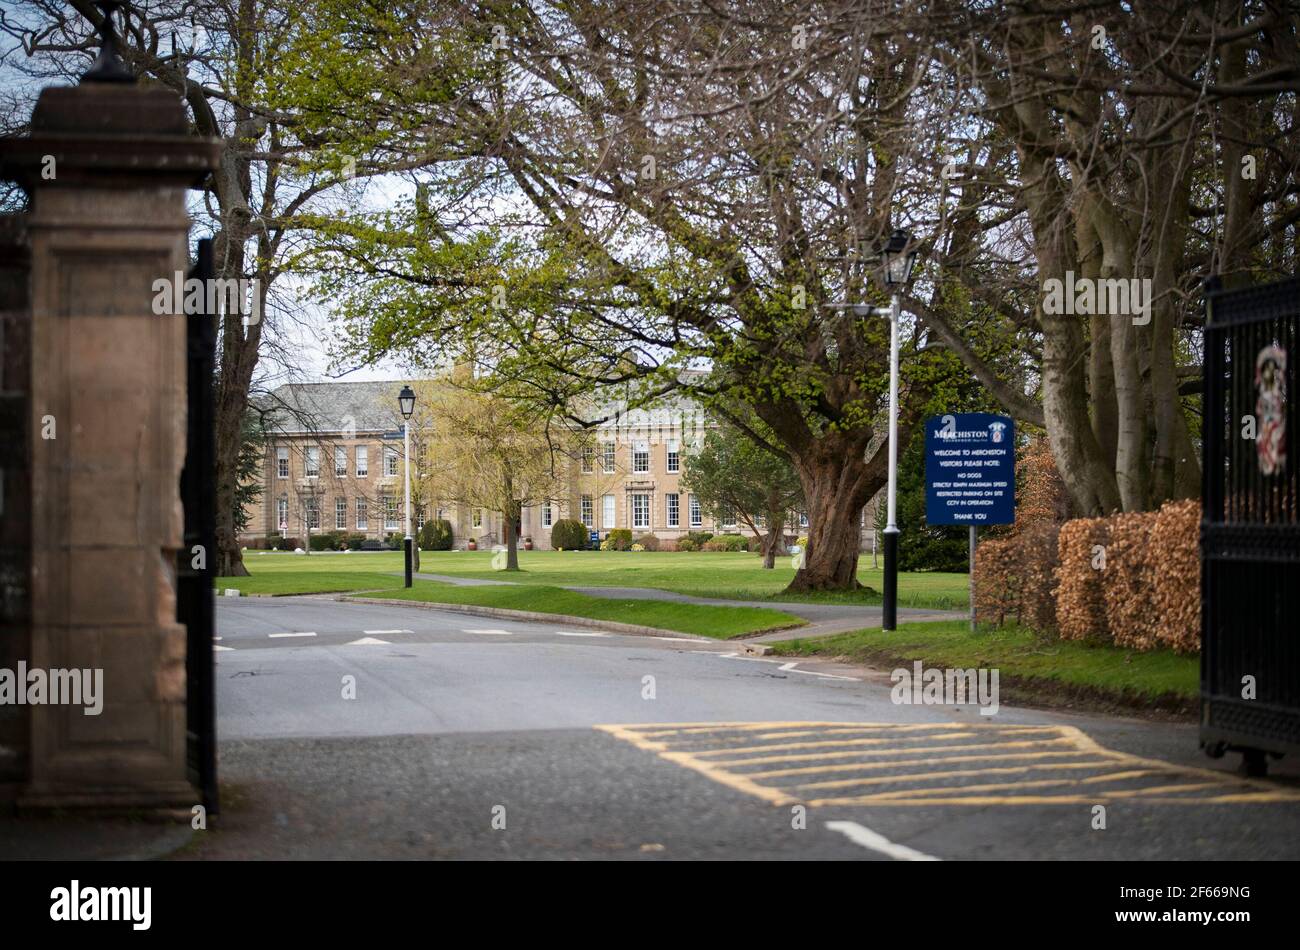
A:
970,469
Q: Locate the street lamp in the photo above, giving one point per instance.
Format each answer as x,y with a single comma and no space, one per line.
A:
898,258
406,403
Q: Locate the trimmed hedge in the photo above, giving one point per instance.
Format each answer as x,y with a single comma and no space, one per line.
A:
436,535
1176,541
726,542
568,535
1128,579
1080,593
1014,578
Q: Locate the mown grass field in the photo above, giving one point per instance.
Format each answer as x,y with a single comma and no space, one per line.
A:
706,620
323,581
734,576
1019,653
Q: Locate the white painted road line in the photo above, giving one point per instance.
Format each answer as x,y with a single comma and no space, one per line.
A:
574,633
366,641
309,633
382,632
488,632
877,842
227,649
789,668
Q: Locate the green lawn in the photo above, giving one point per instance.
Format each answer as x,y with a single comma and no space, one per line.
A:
1018,653
709,621
738,576
326,581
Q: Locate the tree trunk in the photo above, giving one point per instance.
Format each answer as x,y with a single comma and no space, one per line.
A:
512,545
415,544
775,532
770,544
238,359
837,482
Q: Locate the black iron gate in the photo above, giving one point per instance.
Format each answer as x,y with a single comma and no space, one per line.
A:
194,602
1250,528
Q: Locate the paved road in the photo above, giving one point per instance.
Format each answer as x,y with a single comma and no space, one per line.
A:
614,746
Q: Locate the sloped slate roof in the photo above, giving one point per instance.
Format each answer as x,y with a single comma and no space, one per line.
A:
305,408
298,408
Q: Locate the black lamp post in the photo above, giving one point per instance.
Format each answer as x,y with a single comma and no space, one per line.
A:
898,258
406,403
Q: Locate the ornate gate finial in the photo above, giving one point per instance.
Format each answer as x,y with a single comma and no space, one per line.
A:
108,66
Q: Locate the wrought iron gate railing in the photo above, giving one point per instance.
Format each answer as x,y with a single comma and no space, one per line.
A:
194,602
1250,528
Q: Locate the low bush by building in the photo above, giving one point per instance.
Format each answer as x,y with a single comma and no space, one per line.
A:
725,542
436,535
618,539
568,535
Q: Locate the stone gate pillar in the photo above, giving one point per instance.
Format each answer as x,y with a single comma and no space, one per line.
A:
107,166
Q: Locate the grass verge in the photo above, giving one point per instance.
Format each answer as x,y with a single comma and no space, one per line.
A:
313,582
1038,670
730,576
718,622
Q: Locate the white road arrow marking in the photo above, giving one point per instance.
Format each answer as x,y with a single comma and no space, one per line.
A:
877,842
366,641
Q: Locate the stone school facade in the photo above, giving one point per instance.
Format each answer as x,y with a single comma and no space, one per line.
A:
333,462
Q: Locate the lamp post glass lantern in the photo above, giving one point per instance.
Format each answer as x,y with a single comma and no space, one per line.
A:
406,403
898,258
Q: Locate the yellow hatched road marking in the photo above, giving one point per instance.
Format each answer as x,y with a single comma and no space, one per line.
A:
657,729
924,750
940,760
1001,786
896,778
782,746
1011,730
709,748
